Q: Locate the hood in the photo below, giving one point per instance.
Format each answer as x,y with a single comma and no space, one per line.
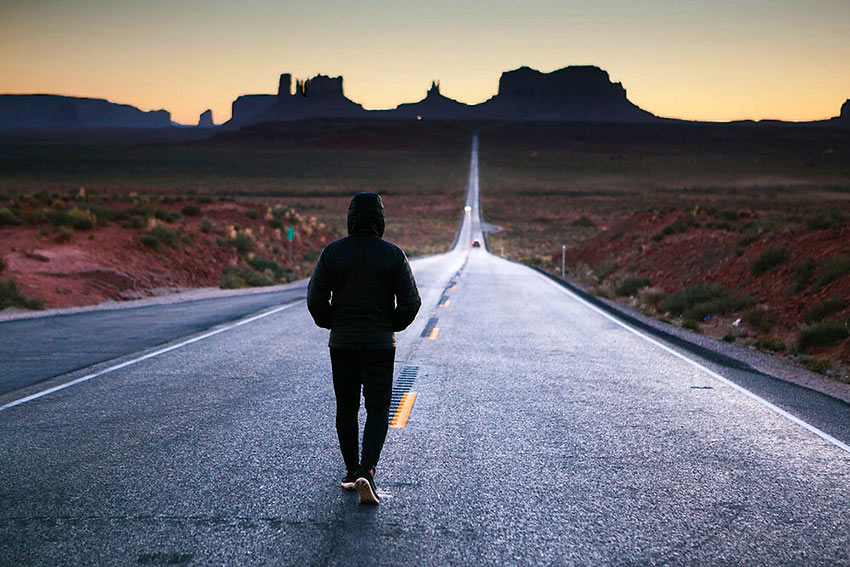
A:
366,215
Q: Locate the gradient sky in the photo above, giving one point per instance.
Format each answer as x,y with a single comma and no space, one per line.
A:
702,60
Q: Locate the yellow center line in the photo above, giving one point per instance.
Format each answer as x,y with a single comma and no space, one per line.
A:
447,303
399,420
435,332
453,287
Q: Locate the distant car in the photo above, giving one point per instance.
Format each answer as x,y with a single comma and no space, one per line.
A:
476,244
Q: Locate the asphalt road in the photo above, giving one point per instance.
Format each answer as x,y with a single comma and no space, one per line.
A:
542,432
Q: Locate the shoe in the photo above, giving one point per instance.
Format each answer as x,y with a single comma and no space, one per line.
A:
348,481
365,487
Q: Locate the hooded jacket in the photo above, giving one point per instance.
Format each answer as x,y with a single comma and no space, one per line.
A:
362,288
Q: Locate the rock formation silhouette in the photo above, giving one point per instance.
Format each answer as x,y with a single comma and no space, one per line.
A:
66,112
205,120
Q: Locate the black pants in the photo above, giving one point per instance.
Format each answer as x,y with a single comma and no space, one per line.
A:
373,370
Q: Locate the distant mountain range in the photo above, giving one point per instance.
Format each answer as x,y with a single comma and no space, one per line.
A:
571,94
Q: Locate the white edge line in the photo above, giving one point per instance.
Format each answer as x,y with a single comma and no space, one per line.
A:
822,434
144,357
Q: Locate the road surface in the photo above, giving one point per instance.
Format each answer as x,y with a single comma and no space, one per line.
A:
542,431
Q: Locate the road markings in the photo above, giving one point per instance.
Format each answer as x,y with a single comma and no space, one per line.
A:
776,409
446,303
435,332
403,412
145,357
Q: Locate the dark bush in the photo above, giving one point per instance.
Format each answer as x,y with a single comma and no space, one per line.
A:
167,216
816,364
824,334
769,342
747,240
191,210
235,277
820,311
801,274
691,325
9,218
269,266
108,214
760,319
698,301
832,269
159,235
11,296
630,285
824,221
252,214
276,223
584,222
768,259
242,242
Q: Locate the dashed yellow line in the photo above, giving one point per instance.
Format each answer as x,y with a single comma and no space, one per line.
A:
435,332
446,303
399,420
453,287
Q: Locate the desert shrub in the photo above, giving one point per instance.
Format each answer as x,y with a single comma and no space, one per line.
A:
159,235
82,219
206,226
630,285
166,215
816,364
769,342
270,267
243,243
801,274
205,199
698,301
583,222
823,334
823,309
832,269
719,226
747,240
603,271
691,325
276,223
652,299
768,259
760,319
252,214
9,218
680,225
64,234
11,296
108,213
191,210
234,277
824,221
730,337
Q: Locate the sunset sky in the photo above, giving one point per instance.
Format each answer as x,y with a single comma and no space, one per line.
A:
703,60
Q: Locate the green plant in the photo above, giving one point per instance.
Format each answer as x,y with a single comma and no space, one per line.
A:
831,269
244,243
9,218
801,274
64,234
234,277
691,325
824,221
698,301
276,223
760,319
270,267
630,285
769,342
11,296
82,219
206,226
816,364
823,309
159,235
823,334
583,222
252,214
730,337
167,216
191,210
768,259
603,271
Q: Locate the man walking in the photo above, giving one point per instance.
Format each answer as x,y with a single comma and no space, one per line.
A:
362,289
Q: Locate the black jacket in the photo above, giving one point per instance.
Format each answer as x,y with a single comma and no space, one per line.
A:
362,288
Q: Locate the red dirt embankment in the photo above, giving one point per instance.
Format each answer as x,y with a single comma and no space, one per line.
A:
135,254
784,275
